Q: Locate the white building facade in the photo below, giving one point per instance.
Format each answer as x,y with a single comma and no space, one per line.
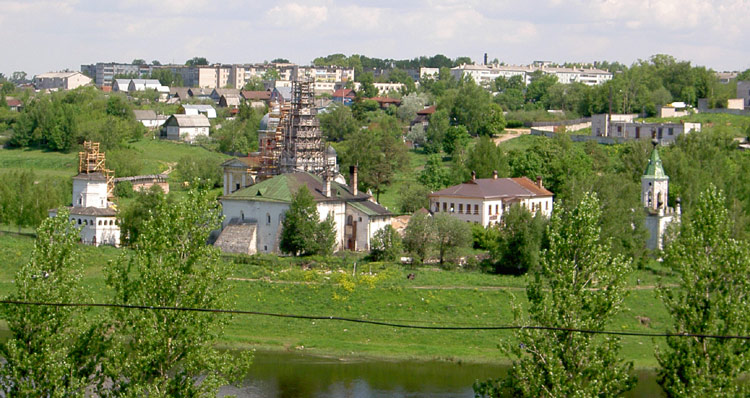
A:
254,216
485,200
91,212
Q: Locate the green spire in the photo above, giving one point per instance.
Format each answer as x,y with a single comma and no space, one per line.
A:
654,168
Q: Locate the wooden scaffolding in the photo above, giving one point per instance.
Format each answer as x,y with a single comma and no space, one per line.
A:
90,160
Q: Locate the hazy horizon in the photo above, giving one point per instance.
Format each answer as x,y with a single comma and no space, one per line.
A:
42,36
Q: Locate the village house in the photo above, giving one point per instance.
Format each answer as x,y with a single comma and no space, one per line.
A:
186,127
200,93
256,99
281,95
218,92
91,210
230,101
254,216
149,118
385,102
14,104
144,84
198,109
485,200
344,96
60,80
180,93
423,117
626,128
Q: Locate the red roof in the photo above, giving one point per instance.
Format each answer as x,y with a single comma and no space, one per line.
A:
386,100
12,102
485,188
256,95
106,89
344,92
427,111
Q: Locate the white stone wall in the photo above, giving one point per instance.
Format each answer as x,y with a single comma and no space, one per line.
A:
657,188
268,215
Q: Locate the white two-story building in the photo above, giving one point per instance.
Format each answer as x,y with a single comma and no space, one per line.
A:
484,200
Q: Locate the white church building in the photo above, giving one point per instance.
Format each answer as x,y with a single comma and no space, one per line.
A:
91,212
254,216
654,195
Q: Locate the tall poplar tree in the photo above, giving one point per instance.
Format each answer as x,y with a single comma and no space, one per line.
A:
713,298
579,285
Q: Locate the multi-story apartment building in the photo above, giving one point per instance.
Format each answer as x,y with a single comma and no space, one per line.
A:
104,73
485,74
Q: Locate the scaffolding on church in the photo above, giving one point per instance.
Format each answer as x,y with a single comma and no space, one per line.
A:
90,160
303,146
271,143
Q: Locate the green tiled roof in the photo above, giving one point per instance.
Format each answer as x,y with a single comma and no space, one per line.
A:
654,168
282,187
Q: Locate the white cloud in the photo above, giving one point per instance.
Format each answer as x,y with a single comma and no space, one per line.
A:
295,15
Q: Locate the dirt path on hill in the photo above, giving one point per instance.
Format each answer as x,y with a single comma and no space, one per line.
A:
432,287
170,167
511,134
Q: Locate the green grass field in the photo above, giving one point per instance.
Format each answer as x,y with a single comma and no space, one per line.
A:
377,292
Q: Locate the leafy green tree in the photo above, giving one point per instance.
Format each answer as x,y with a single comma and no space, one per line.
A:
196,61
486,157
537,90
26,198
436,130
711,299
302,231
205,172
172,353
386,244
133,215
410,105
51,351
138,61
419,235
579,285
519,241
434,175
367,87
338,122
271,74
451,235
456,137
473,107
412,197
255,83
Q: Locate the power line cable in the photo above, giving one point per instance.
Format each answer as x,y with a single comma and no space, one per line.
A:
372,322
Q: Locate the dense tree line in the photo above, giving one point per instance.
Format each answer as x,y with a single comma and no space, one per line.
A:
25,197
63,120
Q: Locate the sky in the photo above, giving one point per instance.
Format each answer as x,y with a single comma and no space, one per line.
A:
41,36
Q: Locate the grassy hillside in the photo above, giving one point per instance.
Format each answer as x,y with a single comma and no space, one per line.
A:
376,292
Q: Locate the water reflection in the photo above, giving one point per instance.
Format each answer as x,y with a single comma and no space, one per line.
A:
293,375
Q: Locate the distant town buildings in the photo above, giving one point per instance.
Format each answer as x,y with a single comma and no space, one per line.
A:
485,74
624,126
60,80
743,91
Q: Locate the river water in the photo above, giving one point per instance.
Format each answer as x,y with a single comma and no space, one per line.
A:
295,375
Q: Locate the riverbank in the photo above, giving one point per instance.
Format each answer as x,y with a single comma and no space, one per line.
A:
375,292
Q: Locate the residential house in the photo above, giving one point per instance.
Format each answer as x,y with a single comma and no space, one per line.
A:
14,104
186,127
149,118
281,95
253,216
385,102
256,99
344,96
201,93
423,117
120,85
60,80
197,109
625,127
485,200
230,101
144,84
218,92
180,93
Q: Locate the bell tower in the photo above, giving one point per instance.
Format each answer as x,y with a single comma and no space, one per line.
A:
654,195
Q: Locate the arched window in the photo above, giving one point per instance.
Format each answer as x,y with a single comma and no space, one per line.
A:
268,218
349,220
79,221
99,223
